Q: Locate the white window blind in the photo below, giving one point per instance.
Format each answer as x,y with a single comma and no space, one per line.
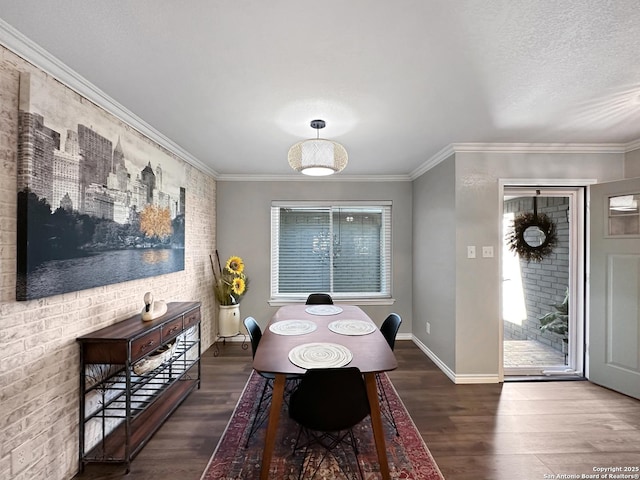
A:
344,250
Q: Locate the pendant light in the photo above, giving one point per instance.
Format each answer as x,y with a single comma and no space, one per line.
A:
317,156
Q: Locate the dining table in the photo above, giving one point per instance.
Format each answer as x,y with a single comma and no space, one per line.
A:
299,337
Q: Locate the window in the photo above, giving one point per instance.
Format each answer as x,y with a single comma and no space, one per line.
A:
623,215
343,250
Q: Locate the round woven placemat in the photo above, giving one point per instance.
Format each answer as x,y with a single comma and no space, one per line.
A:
352,327
293,327
323,310
320,355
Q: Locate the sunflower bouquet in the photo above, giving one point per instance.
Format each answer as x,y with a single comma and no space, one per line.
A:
229,283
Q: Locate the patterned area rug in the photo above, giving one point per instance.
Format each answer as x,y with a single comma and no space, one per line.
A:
409,457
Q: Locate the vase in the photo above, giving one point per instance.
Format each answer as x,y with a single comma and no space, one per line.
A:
228,320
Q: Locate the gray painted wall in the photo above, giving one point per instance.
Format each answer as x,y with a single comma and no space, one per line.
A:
434,233
478,223
632,164
461,298
244,229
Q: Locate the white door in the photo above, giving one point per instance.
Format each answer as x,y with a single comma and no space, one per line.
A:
614,286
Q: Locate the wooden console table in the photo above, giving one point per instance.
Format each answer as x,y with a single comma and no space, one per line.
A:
133,375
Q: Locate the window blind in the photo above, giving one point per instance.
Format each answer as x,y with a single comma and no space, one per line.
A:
343,250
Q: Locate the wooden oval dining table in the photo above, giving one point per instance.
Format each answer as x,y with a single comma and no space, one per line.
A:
370,353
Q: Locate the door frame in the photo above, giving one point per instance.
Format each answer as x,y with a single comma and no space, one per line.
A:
577,191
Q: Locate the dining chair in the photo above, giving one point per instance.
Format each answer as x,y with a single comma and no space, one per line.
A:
319,299
262,411
327,404
255,334
389,330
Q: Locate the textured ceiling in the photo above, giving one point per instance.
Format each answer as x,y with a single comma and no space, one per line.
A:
236,82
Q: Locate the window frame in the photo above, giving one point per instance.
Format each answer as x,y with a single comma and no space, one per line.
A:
384,297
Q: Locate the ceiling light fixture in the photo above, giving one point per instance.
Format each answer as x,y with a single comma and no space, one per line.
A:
317,156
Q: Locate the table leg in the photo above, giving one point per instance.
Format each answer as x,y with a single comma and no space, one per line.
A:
376,423
277,398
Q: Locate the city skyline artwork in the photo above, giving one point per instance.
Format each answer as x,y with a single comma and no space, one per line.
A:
98,202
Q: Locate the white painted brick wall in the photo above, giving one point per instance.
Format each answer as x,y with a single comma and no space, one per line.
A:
39,355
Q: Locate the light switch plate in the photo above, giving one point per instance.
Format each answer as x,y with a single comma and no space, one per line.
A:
471,251
487,252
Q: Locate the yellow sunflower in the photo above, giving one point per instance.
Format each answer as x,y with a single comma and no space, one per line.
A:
235,265
238,285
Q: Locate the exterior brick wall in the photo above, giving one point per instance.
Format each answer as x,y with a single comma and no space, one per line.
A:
39,357
544,283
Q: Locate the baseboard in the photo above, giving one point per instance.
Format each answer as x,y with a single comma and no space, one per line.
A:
455,378
470,378
434,358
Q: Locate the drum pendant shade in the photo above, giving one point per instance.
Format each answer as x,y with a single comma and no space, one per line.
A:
317,156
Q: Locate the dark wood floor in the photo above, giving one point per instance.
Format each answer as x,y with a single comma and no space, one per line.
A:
514,431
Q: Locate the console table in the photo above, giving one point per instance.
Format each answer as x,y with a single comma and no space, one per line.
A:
133,375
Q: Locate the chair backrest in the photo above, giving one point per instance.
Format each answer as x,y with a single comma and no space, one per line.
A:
330,399
390,327
255,333
319,299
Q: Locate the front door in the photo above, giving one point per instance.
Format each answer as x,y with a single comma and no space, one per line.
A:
614,286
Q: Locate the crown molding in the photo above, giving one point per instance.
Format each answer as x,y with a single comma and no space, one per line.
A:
33,53
439,157
540,147
523,148
305,178
631,146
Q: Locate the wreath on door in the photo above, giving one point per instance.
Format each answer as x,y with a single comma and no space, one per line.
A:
533,236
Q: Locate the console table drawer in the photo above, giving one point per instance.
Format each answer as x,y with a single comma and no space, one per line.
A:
171,329
191,318
145,345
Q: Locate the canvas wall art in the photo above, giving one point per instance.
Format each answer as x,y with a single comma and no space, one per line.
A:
98,202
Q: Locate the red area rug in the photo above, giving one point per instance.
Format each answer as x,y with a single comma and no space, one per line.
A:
409,457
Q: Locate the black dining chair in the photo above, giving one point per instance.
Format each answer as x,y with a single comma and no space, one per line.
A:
389,330
319,299
262,411
327,404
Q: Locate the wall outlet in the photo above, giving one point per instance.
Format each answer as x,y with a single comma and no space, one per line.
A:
471,251
21,458
428,328
487,252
